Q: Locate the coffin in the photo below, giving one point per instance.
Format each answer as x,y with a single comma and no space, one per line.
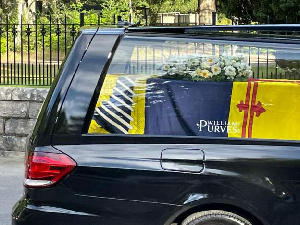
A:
267,109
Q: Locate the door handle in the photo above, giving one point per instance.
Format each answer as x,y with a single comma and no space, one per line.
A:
183,160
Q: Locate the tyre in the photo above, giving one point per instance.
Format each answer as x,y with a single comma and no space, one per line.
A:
215,217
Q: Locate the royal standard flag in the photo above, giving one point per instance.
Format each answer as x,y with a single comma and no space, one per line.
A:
268,109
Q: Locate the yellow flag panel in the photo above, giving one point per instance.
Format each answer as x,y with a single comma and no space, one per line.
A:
265,109
281,120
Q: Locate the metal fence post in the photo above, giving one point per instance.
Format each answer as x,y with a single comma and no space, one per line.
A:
119,18
214,18
146,20
81,19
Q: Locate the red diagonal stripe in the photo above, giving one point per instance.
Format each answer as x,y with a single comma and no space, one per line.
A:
252,109
246,110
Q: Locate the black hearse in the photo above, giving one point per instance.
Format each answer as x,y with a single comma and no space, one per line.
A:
160,126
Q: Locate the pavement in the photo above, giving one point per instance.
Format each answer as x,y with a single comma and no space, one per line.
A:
11,185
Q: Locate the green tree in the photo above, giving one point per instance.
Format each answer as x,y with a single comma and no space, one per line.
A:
155,7
280,11
182,6
240,9
114,7
8,8
263,11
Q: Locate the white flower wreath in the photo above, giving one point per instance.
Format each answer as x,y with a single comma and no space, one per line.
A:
203,67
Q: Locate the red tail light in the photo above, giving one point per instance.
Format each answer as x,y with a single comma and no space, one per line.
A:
45,169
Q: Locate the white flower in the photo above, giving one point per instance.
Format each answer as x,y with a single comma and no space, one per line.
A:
248,73
205,65
228,62
221,64
172,71
189,63
216,69
173,61
235,63
194,61
180,66
211,60
198,72
230,71
242,58
166,67
241,66
181,72
202,73
227,59
185,62
205,74
247,67
192,73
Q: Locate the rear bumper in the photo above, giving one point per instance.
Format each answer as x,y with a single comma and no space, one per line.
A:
25,213
109,212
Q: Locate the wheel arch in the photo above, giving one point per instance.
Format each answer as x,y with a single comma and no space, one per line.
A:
219,206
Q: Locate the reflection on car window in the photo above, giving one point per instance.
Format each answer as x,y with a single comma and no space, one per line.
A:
191,87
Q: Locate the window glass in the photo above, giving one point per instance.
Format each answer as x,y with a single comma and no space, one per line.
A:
194,87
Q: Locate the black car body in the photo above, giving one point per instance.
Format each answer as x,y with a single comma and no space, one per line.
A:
158,177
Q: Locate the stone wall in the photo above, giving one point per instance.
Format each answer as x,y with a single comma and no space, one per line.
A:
19,108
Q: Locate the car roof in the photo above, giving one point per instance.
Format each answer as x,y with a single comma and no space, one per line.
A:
217,28
279,33
194,29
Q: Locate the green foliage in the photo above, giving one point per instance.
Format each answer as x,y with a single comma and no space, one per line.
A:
94,2
3,45
71,8
155,8
111,8
8,9
241,9
263,11
223,20
114,7
182,6
280,11
68,11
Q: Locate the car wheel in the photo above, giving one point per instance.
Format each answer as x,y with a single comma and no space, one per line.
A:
215,217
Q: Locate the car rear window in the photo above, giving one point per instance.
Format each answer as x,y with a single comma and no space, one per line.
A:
201,87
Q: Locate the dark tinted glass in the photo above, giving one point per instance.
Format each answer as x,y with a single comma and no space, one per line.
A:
194,87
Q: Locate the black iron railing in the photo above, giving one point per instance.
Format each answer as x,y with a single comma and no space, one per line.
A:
31,54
